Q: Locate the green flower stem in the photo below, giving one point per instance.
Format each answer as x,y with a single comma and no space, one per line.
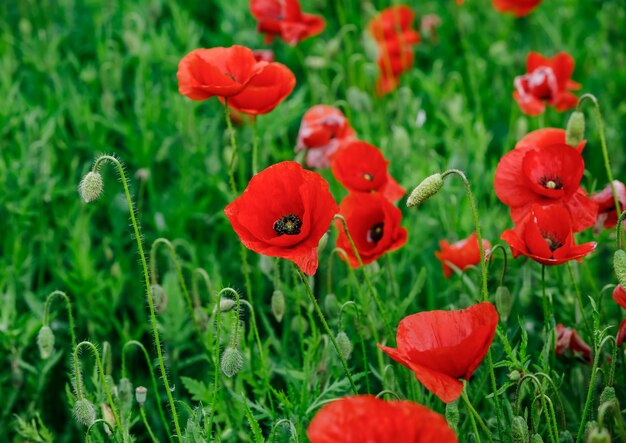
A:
98,421
580,299
539,389
216,353
547,315
155,331
617,415
68,307
361,341
196,274
233,146
619,231
255,147
147,425
475,417
583,419
327,330
505,256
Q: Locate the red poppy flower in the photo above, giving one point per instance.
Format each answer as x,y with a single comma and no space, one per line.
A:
285,19
365,418
619,295
518,8
607,214
263,55
621,334
546,81
442,346
546,237
543,170
461,254
361,167
374,225
322,131
284,212
568,339
223,72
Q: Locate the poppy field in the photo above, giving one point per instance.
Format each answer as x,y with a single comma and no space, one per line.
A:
312,220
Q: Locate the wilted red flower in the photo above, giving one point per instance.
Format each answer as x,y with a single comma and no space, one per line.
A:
619,295
542,169
607,214
518,8
621,334
222,72
365,418
361,167
374,225
442,346
546,237
322,131
285,19
546,81
284,212
461,254
567,338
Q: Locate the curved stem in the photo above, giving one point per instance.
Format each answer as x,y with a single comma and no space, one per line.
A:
475,417
147,425
611,379
195,274
505,256
104,422
580,299
583,419
216,354
619,230
538,388
362,342
68,307
388,392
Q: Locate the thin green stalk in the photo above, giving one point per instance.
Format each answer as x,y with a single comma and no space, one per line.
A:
583,419
216,353
255,147
233,146
475,417
147,425
68,307
195,274
619,230
390,279
362,342
580,299
539,388
98,421
505,256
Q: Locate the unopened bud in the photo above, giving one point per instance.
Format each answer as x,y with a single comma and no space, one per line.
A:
232,361
504,302
608,395
298,322
566,437
45,342
278,305
323,242
598,435
227,305
201,317
452,414
536,438
344,345
575,132
330,304
159,297
519,430
125,390
619,265
140,395
107,415
426,189
90,186
84,412
515,375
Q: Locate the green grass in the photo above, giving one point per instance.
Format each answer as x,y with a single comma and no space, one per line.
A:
82,78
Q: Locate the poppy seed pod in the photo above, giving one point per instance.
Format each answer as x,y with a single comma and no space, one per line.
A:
45,342
344,344
575,132
519,430
84,412
619,265
90,186
232,361
426,189
140,395
278,305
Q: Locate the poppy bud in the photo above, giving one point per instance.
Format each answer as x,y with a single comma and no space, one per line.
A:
278,305
536,438
322,243
90,187
452,414
608,395
232,361
575,129
107,415
519,430
296,322
45,342
426,189
159,298
125,390
84,412
598,435
202,318
504,302
140,395
619,265
515,375
566,437
331,305
227,305
344,345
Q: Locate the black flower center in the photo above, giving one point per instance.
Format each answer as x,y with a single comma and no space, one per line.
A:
552,242
288,225
551,182
375,233
369,177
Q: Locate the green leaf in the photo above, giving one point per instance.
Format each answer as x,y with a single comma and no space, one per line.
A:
198,390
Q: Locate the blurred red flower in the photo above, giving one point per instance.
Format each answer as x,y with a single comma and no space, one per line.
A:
322,131
263,55
619,295
461,254
543,170
284,212
621,334
365,418
546,81
568,339
374,225
518,8
285,19
607,214
442,346
546,237
361,167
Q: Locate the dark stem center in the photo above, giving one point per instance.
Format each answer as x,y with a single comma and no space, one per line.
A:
288,225
551,182
552,242
375,233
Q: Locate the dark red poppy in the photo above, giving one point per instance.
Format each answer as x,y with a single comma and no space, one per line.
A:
518,8
546,237
263,55
568,339
547,81
461,254
374,224
543,170
442,346
607,214
222,72
284,19
621,334
619,295
284,212
322,131
361,167
365,418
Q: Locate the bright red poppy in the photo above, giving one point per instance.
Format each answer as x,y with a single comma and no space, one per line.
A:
546,237
284,19
365,418
621,334
461,254
222,72
544,170
607,214
322,132
284,212
568,339
547,81
361,167
441,347
518,8
619,295
374,225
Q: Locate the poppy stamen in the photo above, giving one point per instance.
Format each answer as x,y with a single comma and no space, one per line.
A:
368,177
375,233
552,242
551,183
288,225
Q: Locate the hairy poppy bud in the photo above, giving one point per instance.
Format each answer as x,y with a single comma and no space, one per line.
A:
575,129
330,304
519,430
344,345
426,189
278,305
598,435
45,342
232,361
140,395
536,438
504,302
515,375
452,414
608,395
619,265
566,437
90,187
125,390
227,305
159,298
298,321
84,412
